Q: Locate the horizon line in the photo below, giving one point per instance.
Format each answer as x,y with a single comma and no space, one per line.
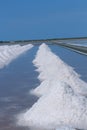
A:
47,39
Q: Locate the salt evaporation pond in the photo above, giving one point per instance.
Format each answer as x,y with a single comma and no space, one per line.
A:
19,77
16,79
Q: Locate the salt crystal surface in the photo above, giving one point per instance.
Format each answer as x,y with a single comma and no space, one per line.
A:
62,102
65,128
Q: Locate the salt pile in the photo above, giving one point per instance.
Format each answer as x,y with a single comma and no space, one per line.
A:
52,67
10,52
62,101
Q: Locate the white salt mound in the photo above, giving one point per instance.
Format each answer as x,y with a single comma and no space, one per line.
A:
62,105
39,91
52,67
10,52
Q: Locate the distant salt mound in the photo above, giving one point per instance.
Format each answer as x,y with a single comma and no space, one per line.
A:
52,67
10,52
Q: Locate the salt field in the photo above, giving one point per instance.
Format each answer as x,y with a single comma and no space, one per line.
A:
42,87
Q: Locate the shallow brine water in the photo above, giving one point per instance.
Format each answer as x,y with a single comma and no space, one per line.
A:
18,77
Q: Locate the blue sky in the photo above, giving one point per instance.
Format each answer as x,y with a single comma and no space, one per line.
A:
37,19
